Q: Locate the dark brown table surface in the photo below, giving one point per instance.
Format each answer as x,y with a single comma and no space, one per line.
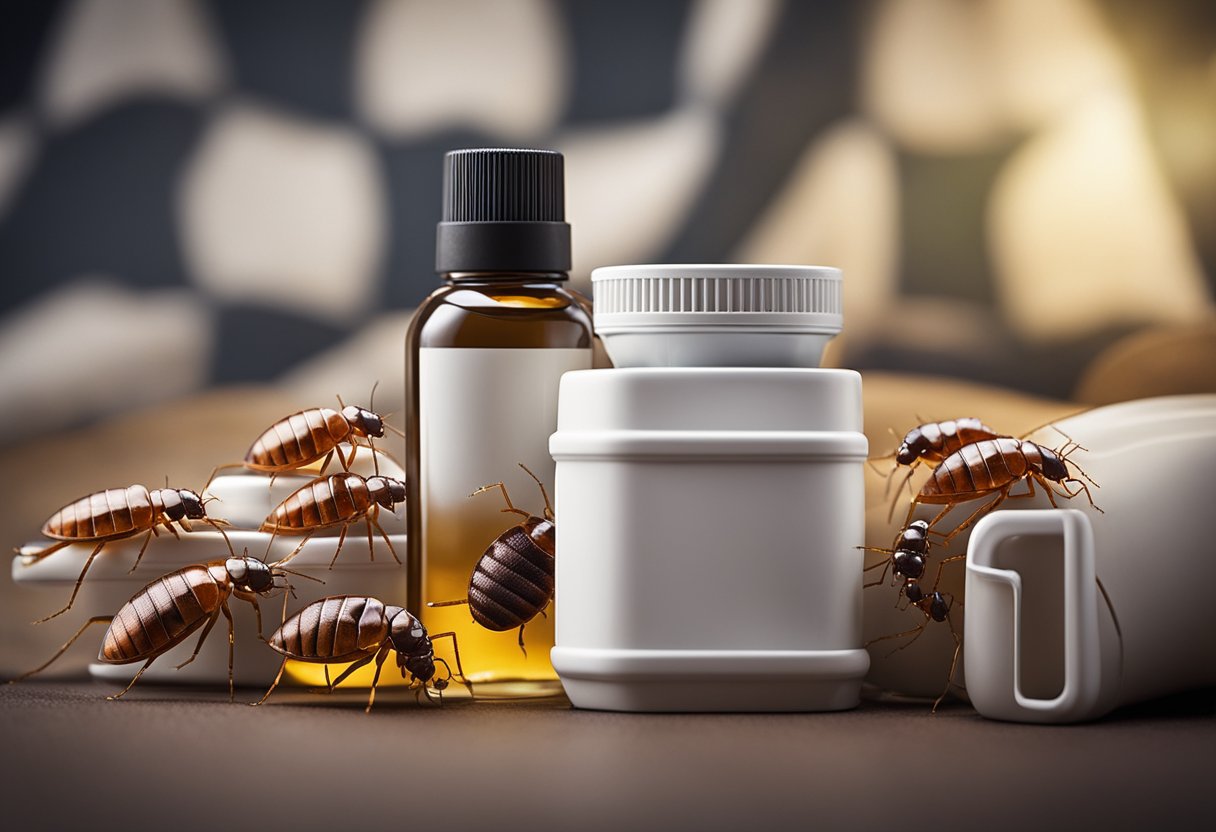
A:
186,759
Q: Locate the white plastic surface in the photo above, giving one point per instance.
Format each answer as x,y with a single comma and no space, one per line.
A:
245,500
1149,628
707,533
716,315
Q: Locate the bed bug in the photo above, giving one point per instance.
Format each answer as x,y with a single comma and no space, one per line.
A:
165,612
336,500
512,582
994,466
934,441
118,513
359,629
318,433
930,443
906,557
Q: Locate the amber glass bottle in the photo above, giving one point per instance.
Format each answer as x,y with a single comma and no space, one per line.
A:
484,355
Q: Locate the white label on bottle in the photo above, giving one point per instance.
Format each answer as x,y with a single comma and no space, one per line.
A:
482,412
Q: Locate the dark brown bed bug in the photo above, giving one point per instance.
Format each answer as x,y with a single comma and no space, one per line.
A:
118,513
934,441
512,581
167,611
907,555
359,630
994,466
336,500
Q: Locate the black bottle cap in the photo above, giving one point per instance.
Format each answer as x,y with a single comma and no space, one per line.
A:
503,210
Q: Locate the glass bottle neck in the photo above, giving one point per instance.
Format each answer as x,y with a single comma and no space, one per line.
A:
504,277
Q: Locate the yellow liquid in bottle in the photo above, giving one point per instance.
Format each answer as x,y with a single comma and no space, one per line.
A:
483,367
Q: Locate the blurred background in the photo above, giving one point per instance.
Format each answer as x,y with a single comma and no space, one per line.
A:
206,193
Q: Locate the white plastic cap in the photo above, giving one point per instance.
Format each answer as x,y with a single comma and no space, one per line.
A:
717,315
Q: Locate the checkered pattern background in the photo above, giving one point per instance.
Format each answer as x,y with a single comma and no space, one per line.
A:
204,192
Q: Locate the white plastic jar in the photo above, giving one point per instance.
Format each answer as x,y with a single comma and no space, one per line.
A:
708,525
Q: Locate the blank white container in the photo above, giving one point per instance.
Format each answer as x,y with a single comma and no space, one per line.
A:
708,521
1045,643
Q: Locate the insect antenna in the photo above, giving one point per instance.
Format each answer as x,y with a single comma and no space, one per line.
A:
395,430
297,574
543,493
218,525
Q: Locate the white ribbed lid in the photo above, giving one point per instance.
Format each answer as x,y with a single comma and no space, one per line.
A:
753,295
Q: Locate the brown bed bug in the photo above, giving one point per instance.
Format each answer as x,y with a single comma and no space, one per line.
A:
165,612
318,433
512,581
336,500
118,513
994,466
930,443
359,630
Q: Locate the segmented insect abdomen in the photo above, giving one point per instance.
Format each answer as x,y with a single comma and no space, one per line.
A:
976,469
114,512
512,582
299,439
161,615
333,629
936,440
335,499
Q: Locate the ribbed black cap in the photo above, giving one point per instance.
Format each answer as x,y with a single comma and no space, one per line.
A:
503,210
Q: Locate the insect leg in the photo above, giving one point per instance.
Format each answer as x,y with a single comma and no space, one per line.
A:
294,551
976,515
942,565
329,684
914,632
168,524
257,614
34,557
273,684
447,603
231,643
906,481
351,669
958,646
139,557
88,562
380,657
521,639
502,487
341,540
62,649
131,684
325,462
199,645
372,520
456,653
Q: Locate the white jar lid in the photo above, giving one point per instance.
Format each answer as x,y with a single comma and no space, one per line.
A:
716,315
801,297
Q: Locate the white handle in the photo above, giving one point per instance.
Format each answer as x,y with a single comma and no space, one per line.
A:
1082,659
